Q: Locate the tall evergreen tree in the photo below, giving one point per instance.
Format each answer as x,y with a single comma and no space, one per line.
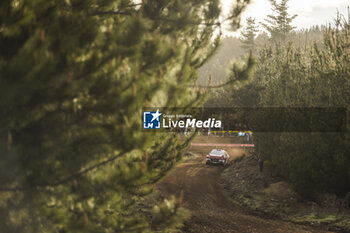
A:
248,35
74,77
279,25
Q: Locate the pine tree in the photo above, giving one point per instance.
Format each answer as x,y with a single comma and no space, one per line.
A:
279,25
74,78
249,34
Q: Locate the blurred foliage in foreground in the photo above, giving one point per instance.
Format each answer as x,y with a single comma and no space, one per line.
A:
74,77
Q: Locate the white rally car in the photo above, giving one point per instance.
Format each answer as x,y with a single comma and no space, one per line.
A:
217,156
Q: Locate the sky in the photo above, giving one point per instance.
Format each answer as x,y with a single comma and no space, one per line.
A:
310,12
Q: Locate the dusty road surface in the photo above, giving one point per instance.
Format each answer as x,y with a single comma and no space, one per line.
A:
211,209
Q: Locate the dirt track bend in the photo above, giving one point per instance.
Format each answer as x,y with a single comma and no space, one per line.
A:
211,209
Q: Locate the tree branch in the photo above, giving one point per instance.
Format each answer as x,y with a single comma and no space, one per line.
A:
64,180
157,18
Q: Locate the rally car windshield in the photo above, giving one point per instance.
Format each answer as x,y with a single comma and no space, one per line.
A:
217,152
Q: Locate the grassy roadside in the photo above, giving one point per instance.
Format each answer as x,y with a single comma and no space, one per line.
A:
267,194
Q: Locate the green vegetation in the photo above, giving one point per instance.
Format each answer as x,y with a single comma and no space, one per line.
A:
298,69
74,77
314,77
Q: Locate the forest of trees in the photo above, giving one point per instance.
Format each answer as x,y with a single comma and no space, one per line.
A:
75,76
308,68
317,76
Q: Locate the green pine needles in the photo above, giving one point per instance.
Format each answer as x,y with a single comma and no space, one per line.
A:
74,77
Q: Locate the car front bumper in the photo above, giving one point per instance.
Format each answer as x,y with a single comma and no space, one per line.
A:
216,161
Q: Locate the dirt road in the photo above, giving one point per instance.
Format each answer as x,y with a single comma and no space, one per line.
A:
211,209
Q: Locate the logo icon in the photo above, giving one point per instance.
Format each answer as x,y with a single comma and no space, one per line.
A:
151,120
